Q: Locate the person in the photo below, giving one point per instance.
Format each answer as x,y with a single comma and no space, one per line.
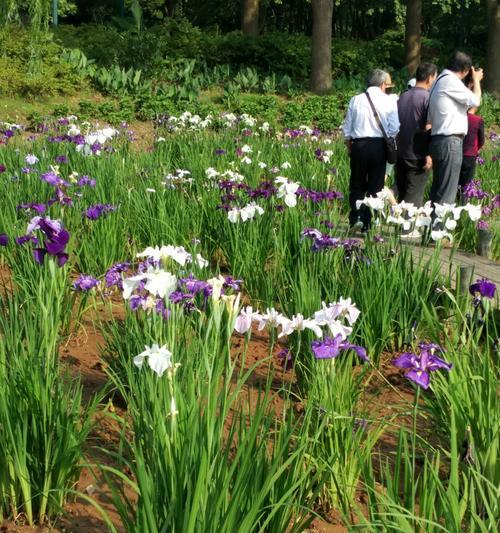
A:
413,163
473,142
366,145
448,103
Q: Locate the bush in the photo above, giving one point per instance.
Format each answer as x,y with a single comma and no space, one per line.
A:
52,75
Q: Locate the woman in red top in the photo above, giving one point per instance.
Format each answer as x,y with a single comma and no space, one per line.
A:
473,142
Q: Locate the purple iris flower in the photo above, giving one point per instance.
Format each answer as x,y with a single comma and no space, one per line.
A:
420,367
3,168
39,208
220,151
55,242
484,287
329,348
85,180
4,239
482,224
84,283
51,178
96,211
286,358
61,159
113,275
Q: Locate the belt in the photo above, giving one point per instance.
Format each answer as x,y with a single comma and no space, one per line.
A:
367,139
459,135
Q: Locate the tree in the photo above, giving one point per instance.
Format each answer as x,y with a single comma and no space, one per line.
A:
321,68
413,35
492,71
250,17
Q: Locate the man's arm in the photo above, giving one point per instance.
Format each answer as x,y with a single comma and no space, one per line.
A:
347,127
477,76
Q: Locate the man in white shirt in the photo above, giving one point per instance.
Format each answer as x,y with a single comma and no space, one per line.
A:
448,103
366,145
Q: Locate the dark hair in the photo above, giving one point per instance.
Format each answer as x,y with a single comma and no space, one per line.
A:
424,70
459,62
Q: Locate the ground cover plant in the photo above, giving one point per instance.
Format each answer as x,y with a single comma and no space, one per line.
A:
262,368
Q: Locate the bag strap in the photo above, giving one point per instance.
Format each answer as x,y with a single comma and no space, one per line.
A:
435,84
377,118
426,115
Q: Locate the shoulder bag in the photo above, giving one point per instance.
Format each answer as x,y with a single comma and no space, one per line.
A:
391,149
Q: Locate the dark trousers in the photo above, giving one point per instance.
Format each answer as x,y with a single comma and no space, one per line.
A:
411,180
467,170
368,159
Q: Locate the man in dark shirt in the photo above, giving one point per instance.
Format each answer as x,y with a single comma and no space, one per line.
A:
414,163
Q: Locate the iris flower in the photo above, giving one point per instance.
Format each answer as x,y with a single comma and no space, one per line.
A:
330,347
159,359
484,287
420,367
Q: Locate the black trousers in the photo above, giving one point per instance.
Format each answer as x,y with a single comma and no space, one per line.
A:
467,171
411,180
368,160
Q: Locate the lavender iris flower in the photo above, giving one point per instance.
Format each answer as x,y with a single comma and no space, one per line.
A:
329,348
84,283
484,287
420,367
31,159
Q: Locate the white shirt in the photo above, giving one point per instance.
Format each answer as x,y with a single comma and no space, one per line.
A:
360,121
448,104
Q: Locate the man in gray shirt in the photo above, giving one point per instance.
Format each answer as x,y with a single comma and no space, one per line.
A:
448,103
412,167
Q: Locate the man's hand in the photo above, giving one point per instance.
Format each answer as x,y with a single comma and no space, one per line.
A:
348,144
477,74
428,163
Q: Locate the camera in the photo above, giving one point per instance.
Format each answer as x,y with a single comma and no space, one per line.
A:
467,81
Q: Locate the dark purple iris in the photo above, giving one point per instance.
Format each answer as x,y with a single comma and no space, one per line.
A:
330,347
4,239
220,151
3,168
61,159
484,287
286,358
55,241
420,367
84,283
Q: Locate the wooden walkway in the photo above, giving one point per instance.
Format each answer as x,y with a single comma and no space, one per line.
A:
479,267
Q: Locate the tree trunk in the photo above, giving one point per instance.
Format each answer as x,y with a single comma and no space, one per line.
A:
250,17
413,35
492,70
321,68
